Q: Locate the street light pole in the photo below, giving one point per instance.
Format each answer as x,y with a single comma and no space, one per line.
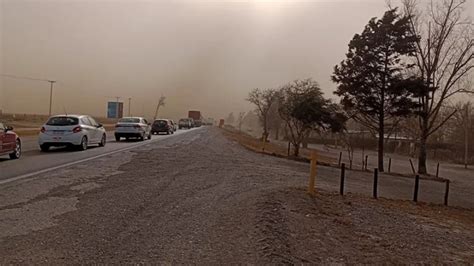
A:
129,107
51,82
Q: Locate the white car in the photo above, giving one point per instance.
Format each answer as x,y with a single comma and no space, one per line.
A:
71,130
132,127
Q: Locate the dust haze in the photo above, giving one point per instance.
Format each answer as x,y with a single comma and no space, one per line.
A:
203,55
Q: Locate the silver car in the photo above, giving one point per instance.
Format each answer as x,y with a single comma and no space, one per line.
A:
132,127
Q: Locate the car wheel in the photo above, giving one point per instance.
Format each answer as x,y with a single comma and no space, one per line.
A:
84,144
117,138
142,137
44,147
103,141
149,136
17,153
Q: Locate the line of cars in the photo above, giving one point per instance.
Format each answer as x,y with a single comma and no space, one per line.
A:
81,131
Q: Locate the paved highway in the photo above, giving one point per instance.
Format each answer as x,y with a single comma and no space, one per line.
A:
34,161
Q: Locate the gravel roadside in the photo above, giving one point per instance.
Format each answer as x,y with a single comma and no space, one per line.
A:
200,198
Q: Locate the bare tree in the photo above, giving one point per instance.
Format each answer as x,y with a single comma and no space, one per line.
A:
462,119
240,120
161,102
444,57
230,119
275,122
348,142
263,99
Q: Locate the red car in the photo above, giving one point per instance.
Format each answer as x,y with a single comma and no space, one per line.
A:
10,143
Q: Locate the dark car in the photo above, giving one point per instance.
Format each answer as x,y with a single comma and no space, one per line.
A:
162,125
10,143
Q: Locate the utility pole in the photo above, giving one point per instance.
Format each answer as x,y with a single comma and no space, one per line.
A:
51,82
129,107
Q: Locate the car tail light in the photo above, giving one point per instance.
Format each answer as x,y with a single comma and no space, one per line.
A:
43,130
76,129
137,126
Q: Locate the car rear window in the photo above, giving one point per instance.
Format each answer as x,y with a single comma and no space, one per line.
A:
62,121
129,120
160,122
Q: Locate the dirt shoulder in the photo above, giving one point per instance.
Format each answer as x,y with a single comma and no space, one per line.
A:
200,198
327,228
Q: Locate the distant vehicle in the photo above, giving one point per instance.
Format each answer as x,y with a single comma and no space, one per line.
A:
185,123
10,142
71,130
175,126
197,123
162,125
132,127
195,115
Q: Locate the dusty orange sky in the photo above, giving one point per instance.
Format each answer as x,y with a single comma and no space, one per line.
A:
203,55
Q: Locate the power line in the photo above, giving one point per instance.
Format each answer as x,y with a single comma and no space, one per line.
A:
22,77
51,82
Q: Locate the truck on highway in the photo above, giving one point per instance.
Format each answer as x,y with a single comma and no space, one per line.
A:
196,116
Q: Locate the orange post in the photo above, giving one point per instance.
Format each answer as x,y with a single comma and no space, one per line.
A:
312,174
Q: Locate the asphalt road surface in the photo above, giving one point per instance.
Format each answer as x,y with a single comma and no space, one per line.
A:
194,198
34,161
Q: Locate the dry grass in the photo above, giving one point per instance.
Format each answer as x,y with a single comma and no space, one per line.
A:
273,149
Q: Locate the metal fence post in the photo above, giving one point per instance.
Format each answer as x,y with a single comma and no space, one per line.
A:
446,193
376,181
417,184
343,175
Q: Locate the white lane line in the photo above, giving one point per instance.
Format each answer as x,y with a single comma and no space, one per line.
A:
16,178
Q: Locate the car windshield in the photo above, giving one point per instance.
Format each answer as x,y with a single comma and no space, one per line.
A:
129,120
62,121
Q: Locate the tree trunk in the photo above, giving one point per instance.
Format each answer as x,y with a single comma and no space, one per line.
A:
422,169
296,149
380,148
265,129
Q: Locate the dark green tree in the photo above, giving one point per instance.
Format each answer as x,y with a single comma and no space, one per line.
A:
303,108
371,80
